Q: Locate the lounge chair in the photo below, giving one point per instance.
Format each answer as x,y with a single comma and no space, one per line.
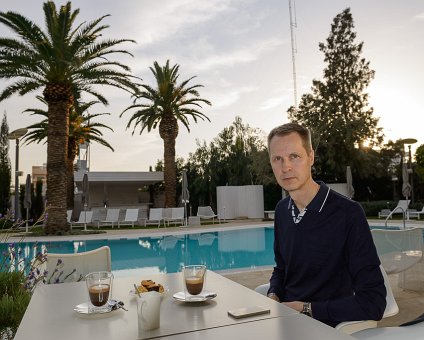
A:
131,217
155,216
350,327
417,214
85,217
207,213
112,218
177,216
77,264
69,215
401,208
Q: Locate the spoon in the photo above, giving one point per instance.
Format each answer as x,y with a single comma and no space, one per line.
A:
136,290
116,305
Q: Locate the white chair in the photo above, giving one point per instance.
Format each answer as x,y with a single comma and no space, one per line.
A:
207,213
155,216
417,214
112,218
398,250
412,332
177,216
75,266
85,217
350,327
131,217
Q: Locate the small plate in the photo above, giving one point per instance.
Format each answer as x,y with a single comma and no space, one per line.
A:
204,296
84,308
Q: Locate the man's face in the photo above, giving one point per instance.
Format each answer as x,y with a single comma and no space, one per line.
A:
290,161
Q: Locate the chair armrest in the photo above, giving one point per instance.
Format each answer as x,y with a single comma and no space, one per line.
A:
349,327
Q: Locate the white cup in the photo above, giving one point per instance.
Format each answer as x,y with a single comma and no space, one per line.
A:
148,310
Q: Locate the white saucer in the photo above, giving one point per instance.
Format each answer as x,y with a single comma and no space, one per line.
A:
203,296
86,308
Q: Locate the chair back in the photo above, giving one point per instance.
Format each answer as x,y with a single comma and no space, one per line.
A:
205,211
156,214
85,217
131,215
77,264
398,250
112,215
392,307
403,204
177,213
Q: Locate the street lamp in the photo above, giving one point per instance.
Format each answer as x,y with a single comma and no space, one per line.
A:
16,135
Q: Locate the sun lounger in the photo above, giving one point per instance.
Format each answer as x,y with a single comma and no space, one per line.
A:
401,208
112,218
417,214
131,217
207,213
177,216
155,216
85,217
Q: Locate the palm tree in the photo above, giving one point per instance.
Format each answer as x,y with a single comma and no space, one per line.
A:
81,130
165,106
59,61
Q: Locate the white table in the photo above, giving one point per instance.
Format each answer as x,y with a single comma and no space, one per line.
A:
50,314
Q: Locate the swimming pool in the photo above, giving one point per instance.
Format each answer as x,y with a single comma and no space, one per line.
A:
219,251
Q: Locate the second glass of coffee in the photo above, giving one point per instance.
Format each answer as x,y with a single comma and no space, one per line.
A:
194,280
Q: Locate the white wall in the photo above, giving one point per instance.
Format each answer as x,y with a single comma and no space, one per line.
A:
240,201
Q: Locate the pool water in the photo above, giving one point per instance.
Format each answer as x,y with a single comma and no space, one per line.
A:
221,250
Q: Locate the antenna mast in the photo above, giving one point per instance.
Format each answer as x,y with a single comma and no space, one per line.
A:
293,25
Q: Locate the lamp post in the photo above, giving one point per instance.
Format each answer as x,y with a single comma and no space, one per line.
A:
16,135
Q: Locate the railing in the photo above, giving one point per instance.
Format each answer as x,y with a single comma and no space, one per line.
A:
392,212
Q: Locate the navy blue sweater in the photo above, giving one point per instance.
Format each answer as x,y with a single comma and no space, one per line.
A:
329,259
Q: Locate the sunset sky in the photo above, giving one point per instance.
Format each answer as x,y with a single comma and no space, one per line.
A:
240,51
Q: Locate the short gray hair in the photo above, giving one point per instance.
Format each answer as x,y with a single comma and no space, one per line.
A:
286,129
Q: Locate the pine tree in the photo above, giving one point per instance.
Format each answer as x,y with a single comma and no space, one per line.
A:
5,168
337,110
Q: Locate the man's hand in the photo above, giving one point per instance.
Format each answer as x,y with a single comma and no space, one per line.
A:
296,305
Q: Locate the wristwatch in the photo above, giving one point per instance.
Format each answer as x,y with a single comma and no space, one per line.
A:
307,309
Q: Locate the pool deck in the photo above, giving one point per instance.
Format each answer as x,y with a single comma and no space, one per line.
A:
410,302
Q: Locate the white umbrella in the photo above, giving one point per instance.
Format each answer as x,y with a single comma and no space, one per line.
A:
27,199
349,181
406,187
85,189
185,195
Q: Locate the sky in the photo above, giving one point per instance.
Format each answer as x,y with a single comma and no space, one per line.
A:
241,51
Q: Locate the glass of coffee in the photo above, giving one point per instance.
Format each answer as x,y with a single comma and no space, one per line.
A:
99,285
194,277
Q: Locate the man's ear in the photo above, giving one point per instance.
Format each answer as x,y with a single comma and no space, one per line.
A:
312,157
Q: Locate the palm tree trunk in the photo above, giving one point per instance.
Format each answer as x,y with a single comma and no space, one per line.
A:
170,172
72,153
57,146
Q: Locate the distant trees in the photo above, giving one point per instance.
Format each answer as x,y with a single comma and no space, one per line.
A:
237,156
337,109
5,168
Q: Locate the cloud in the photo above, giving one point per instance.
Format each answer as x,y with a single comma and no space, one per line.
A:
244,54
419,16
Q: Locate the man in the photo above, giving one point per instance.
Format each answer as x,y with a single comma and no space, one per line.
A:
326,262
